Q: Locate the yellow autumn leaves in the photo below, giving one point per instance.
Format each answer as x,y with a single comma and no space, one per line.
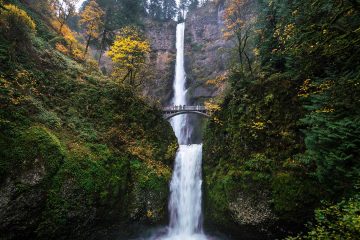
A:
18,14
129,52
91,19
16,25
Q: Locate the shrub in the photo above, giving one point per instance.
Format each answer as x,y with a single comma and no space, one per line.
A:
340,221
16,25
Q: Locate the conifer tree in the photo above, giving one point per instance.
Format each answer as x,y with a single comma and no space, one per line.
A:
183,5
169,9
193,4
155,9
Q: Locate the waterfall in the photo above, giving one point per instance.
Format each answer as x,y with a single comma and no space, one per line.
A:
179,123
185,187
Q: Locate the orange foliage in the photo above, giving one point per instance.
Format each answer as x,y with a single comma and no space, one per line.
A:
219,81
91,19
61,48
72,44
237,15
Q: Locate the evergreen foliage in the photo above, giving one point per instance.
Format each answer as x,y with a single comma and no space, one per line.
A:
297,106
340,221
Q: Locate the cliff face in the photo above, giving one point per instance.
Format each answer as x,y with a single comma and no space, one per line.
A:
162,37
157,78
207,52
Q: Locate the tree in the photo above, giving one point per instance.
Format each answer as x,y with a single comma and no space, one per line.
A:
193,4
118,13
64,9
16,25
339,221
129,53
155,9
169,9
238,20
183,6
92,20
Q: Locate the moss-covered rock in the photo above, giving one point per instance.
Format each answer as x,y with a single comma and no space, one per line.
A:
36,157
252,179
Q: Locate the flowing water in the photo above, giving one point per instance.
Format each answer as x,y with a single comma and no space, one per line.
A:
185,186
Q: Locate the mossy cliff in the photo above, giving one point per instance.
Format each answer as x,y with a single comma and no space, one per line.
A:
251,181
75,148
282,147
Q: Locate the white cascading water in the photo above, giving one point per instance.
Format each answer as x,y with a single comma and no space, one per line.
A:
179,123
185,187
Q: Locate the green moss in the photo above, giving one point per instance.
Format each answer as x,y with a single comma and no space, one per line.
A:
90,176
40,143
253,143
81,126
293,196
36,145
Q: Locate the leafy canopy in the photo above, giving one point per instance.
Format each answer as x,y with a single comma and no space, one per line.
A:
129,53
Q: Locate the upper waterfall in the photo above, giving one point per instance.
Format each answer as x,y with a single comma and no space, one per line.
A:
182,131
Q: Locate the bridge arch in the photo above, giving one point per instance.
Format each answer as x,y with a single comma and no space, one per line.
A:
169,116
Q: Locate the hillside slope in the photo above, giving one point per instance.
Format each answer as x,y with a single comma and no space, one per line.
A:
283,142
76,149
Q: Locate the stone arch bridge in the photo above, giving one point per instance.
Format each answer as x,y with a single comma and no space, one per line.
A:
172,111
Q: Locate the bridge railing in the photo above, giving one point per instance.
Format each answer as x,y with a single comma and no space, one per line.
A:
184,108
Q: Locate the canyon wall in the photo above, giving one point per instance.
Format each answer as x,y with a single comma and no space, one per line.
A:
207,52
162,37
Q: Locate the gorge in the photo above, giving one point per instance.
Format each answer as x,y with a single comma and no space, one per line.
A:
99,140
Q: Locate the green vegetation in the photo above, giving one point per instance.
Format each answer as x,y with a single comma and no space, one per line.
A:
288,126
79,149
72,141
340,221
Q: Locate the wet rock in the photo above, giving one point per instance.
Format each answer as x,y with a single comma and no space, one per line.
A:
22,197
207,52
162,37
251,210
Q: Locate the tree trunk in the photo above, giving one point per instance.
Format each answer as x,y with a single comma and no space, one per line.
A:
102,46
240,51
87,45
61,26
128,73
100,55
249,63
